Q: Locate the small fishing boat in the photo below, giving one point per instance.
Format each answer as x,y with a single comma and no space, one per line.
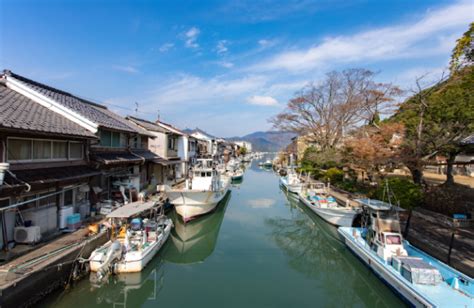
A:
291,181
418,278
137,241
201,193
267,164
315,196
237,174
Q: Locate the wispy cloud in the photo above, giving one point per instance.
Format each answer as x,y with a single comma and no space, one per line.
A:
226,64
126,69
221,47
264,43
191,37
262,100
165,47
190,89
428,36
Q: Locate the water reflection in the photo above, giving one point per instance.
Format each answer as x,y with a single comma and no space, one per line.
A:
314,250
195,241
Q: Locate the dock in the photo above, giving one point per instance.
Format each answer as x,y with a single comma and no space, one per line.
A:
27,279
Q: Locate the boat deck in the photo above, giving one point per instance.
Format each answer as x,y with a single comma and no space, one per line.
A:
442,295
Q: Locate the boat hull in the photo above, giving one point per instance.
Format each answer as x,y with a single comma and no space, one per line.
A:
293,188
191,204
334,216
134,261
441,295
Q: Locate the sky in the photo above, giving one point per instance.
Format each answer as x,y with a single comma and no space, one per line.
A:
223,66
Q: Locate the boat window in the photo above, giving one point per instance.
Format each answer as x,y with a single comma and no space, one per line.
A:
197,174
203,174
393,239
209,173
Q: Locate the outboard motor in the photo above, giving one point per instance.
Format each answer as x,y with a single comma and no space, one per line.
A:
114,253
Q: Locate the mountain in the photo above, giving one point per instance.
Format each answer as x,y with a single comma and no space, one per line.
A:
271,141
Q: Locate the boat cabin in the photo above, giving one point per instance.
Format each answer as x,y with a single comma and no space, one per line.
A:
203,175
383,228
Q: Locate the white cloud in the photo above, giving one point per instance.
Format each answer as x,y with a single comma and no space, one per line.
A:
189,89
222,46
125,68
191,37
262,100
262,203
165,47
226,64
434,33
266,43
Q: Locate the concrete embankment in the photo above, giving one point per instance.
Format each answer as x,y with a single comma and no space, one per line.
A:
27,279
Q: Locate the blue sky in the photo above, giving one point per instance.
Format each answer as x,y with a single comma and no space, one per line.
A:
225,67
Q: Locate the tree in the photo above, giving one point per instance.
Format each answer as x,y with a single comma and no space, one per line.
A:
463,52
243,151
373,146
344,100
436,119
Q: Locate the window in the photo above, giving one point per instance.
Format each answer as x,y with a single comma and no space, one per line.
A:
60,150
112,139
105,138
170,143
68,197
19,149
41,149
75,150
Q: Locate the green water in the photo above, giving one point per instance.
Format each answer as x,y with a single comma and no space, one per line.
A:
260,248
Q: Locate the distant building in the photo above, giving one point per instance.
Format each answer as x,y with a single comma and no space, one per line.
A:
244,144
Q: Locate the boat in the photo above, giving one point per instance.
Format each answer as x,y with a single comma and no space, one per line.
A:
316,197
195,241
136,242
201,193
267,164
418,278
291,181
237,175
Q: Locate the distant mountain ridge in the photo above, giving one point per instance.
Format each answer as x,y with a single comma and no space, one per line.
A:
270,141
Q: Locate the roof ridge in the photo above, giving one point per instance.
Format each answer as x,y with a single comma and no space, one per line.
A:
50,88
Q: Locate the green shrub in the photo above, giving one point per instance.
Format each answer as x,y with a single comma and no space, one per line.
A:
334,175
405,191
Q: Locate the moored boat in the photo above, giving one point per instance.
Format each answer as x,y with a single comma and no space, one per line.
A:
137,241
201,193
291,181
315,197
418,278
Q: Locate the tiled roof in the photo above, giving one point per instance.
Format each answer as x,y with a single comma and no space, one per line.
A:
146,154
147,124
98,114
20,112
468,140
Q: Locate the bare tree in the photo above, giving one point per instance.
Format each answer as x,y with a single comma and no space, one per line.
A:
324,112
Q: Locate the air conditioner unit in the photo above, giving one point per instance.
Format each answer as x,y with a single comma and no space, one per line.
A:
27,235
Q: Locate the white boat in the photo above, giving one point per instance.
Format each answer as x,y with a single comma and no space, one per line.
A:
136,242
315,197
415,276
291,181
267,164
237,174
201,193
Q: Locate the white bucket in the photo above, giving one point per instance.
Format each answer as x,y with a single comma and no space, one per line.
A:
3,169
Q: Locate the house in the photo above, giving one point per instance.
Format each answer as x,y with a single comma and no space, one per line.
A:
48,166
176,149
117,141
244,144
206,142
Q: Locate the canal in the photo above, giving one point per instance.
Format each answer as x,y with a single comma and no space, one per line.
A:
260,248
